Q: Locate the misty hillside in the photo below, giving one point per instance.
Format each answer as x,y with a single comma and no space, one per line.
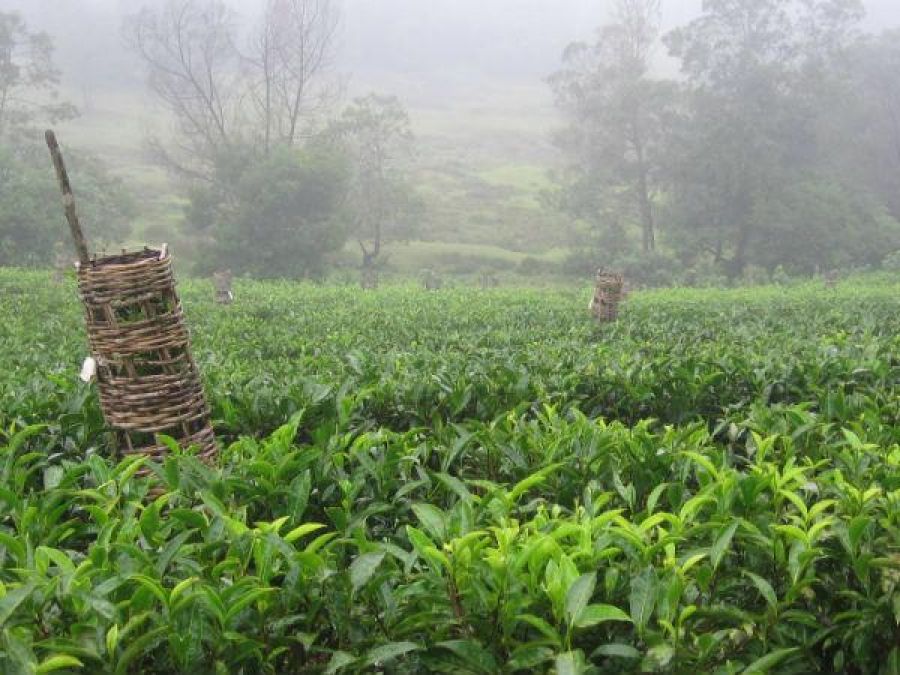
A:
473,76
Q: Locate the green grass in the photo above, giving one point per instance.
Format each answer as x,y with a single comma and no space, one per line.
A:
524,177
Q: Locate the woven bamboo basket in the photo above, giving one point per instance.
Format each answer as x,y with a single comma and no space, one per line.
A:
140,347
147,379
608,293
222,284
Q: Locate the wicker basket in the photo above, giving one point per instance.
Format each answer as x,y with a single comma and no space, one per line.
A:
147,379
608,293
222,284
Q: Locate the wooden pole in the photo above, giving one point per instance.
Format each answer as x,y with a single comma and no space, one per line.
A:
68,197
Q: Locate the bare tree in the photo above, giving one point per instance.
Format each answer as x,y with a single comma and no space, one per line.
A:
188,48
221,99
290,55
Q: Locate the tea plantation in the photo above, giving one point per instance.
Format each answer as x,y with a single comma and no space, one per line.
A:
466,481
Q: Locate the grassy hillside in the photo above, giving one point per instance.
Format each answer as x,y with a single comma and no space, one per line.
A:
481,166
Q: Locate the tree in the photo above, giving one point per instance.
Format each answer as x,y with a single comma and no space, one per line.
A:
234,115
188,49
27,211
292,52
31,224
220,97
756,69
31,221
28,77
863,123
616,121
282,218
376,136
824,224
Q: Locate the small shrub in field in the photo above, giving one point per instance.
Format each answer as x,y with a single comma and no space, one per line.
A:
892,262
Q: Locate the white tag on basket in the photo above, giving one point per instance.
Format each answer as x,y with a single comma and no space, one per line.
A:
88,369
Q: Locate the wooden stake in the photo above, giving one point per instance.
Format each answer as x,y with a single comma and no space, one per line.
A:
68,197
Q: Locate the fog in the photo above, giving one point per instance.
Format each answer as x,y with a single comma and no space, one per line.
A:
516,154
507,39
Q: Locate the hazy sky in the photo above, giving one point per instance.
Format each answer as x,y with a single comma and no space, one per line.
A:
518,40
501,37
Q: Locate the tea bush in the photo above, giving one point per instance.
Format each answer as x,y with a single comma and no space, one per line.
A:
466,481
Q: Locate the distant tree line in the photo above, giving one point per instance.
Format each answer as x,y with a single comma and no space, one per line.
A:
778,145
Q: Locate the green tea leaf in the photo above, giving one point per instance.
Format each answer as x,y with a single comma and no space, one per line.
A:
363,567
137,647
380,655
643,597
338,661
473,654
58,662
617,650
570,663
432,519
531,481
11,601
658,658
769,661
857,529
720,546
302,531
112,639
579,595
596,614
765,588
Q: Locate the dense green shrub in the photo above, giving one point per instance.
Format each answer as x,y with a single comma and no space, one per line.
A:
31,222
279,217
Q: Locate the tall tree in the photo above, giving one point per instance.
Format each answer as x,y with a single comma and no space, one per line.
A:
617,116
29,79
290,57
754,68
189,51
863,124
376,135
221,97
239,116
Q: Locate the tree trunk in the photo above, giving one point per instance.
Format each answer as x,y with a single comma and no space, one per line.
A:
646,209
645,205
742,216
369,275
739,260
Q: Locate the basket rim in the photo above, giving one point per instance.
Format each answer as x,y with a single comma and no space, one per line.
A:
141,256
